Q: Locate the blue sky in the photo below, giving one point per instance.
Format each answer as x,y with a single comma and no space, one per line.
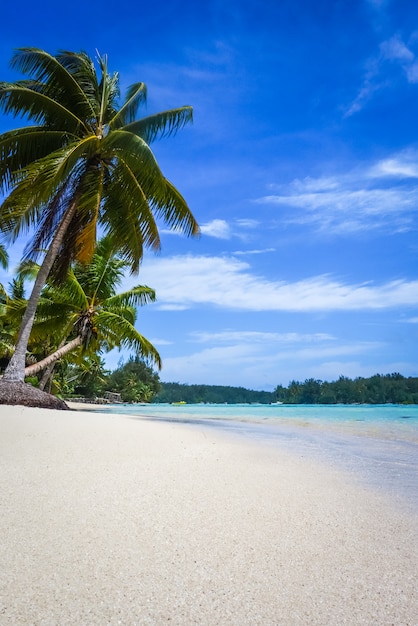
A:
301,168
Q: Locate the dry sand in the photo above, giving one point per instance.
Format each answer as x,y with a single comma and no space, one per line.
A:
108,520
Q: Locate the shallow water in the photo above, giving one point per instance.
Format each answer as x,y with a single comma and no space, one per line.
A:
376,444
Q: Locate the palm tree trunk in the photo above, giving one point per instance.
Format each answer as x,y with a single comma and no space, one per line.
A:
52,358
15,370
47,375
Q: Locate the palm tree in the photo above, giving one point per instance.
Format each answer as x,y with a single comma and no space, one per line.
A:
84,163
86,312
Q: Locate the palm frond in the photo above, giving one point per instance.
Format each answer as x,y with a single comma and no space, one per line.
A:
40,108
127,216
82,69
52,328
19,148
45,218
27,270
173,209
15,307
46,189
70,293
127,335
108,92
135,96
161,124
100,277
137,296
70,87
89,211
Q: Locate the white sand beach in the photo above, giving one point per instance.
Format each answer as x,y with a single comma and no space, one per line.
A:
107,519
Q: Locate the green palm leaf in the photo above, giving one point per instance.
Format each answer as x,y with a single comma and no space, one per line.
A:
137,296
161,124
110,324
19,147
135,96
16,99
57,79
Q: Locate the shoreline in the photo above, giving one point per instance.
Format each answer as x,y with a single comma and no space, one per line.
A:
380,456
113,519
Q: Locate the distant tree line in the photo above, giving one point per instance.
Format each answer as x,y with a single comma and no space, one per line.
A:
216,394
378,389
136,381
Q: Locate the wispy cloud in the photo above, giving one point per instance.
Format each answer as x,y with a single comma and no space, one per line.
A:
234,336
250,252
247,223
269,366
157,341
401,165
382,196
221,229
393,53
229,283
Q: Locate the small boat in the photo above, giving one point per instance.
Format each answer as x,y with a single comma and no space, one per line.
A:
178,403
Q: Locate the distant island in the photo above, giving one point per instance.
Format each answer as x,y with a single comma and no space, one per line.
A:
378,389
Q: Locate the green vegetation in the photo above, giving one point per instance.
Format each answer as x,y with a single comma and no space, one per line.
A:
86,315
175,392
83,316
84,163
379,389
134,381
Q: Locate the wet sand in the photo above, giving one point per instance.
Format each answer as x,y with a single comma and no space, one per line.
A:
109,519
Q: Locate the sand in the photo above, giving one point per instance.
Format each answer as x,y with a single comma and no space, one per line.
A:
108,520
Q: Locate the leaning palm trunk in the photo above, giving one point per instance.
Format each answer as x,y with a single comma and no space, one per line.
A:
53,358
15,370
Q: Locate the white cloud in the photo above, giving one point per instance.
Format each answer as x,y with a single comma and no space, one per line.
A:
172,307
157,341
249,362
221,229
216,228
249,252
394,49
391,51
382,197
402,165
412,72
229,283
248,223
233,336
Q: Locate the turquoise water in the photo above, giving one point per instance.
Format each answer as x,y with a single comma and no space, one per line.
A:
389,421
376,444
